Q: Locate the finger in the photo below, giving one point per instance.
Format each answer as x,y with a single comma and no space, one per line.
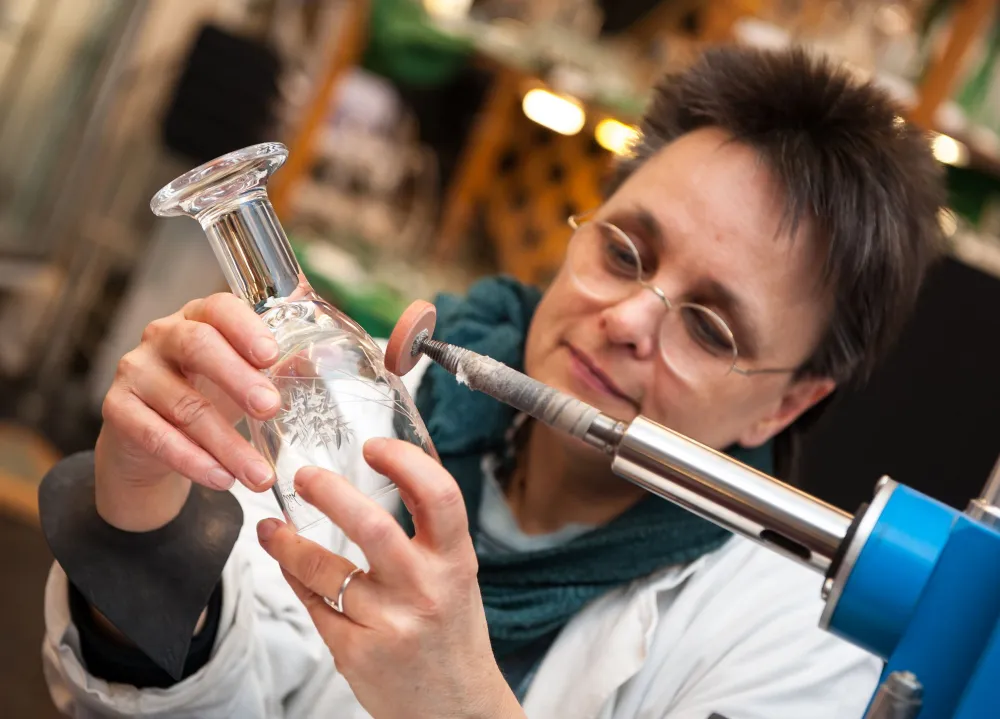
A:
239,324
199,348
434,499
337,630
181,405
139,424
317,569
363,520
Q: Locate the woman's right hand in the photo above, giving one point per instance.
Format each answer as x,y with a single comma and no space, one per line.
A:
170,415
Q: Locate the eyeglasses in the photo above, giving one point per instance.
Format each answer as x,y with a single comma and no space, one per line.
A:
694,341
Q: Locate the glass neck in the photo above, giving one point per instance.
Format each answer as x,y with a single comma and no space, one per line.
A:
254,252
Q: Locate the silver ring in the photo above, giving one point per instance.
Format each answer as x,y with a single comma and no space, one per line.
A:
338,606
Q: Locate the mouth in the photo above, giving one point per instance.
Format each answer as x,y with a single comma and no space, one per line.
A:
586,371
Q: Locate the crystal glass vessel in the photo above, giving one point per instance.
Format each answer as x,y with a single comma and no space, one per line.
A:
335,390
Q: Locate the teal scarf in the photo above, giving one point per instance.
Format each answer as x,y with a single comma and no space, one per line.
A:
532,595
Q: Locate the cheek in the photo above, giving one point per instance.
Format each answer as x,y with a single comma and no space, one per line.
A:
562,307
715,415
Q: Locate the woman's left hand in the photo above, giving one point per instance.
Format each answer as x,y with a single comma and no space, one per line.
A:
412,640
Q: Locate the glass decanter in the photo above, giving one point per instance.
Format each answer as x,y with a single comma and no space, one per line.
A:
335,390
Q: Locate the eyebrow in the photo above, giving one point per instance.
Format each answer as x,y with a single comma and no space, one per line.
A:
649,224
722,296
640,217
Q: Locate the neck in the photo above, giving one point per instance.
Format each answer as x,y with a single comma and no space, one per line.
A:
563,482
253,251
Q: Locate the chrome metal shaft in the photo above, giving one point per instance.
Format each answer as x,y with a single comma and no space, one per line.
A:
900,696
666,463
731,494
986,507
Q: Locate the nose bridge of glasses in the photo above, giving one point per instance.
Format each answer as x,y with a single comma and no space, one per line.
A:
658,292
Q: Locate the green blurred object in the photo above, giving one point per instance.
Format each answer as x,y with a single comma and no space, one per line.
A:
976,96
404,45
372,305
970,192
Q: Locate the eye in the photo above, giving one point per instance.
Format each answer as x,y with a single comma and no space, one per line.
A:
708,331
618,257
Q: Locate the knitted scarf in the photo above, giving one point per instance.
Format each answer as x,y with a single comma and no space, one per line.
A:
532,595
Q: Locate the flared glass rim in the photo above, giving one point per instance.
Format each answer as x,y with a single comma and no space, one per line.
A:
223,179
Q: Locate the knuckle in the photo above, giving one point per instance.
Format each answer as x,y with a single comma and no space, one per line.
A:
188,409
190,306
215,307
111,409
447,496
238,447
432,596
406,636
313,568
128,365
466,565
374,530
194,338
155,330
432,605
155,441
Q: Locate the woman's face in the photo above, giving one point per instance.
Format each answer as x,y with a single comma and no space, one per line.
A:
707,214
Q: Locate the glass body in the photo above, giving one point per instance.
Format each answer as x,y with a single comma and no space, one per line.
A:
335,395
335,391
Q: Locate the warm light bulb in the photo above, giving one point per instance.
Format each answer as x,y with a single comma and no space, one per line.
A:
447,9
558,113
615,136
950,151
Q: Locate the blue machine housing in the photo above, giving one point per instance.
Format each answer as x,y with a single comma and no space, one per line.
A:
924,595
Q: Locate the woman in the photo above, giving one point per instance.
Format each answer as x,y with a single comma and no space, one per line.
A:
762,246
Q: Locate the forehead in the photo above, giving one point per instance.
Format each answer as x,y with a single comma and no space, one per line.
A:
720,211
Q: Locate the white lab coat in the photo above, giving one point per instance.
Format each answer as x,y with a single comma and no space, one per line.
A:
733,633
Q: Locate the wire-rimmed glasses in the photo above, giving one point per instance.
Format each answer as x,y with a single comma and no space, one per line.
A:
693,339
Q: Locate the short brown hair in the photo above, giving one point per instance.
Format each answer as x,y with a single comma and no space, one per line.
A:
847,161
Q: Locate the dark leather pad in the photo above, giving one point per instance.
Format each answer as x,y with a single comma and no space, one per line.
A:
152,586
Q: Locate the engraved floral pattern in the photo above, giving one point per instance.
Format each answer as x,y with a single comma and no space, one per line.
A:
312,418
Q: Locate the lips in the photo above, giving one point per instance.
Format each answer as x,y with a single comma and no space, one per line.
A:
593,376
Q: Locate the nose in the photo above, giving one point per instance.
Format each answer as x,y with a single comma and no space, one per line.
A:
633,323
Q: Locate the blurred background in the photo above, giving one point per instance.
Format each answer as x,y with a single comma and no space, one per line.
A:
431,143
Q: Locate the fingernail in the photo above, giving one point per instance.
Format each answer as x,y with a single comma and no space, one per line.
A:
220,478
300,482
264,349
303,477
259,473
266,528
263,398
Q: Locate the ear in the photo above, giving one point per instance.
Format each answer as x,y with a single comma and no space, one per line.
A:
798,397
